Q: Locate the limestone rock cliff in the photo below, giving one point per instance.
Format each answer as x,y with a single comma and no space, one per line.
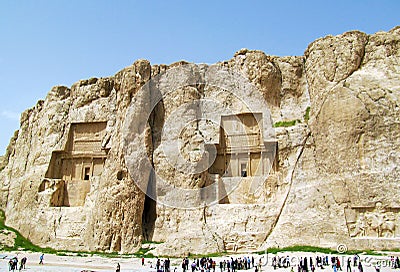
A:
72,179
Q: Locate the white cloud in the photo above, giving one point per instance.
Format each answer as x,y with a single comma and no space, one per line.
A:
10,115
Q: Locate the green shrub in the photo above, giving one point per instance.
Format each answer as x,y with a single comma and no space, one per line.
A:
208,255
286,123
151,242
307,114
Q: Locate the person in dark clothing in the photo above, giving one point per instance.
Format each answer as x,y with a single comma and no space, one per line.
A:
305,268
348,265
360,267
355,260
23,262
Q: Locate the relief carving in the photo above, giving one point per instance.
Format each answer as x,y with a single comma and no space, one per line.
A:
241,244
373,222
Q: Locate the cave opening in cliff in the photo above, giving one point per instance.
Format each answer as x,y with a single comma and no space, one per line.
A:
149,214
148,218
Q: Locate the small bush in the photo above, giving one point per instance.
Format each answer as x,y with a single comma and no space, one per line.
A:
152,242
143,252
286,123
307,114
298,248
209,255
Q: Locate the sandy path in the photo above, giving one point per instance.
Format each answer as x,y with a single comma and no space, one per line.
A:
56,263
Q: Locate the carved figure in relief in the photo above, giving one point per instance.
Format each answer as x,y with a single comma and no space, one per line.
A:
381,222
359,227
377,222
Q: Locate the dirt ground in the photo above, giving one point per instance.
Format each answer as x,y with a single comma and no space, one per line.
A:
56,263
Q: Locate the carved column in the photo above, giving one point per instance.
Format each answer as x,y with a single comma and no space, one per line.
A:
262,163
249,173
82,171
238,170
92,168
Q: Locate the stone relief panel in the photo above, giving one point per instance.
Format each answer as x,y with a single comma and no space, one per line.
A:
377,221
242,243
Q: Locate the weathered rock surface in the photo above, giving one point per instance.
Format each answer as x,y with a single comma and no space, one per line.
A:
7,238
335,179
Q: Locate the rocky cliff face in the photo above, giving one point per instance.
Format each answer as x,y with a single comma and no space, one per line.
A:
67,183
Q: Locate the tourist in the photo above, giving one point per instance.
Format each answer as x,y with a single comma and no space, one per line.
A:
348,269
13,264
118,268
355,260
41,259
377,267
10,265
183,265
319,261
360,267
158,265
234,264
397,263
194,266
167,265
338,264
142,261
23,262
187,263
323,262
305,268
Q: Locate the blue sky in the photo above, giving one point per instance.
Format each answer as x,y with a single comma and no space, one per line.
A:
47,43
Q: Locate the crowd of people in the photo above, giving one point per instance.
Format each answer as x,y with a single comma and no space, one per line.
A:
300,264
13,264
233,264
161,265
208,264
